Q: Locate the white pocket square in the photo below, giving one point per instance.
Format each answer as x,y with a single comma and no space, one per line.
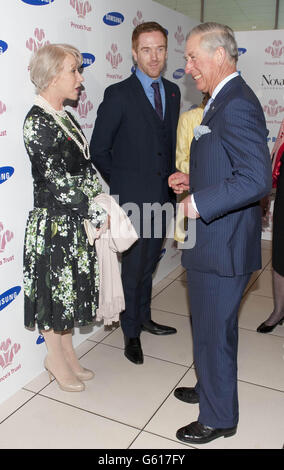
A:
201,130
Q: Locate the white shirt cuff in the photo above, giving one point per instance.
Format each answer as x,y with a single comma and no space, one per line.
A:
193,203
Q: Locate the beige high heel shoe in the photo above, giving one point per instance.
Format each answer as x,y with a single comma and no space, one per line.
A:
68,386
86,374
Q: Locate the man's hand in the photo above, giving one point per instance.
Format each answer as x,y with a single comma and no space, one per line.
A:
179,182
188,209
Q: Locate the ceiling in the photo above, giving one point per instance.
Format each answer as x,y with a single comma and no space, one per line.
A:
240,15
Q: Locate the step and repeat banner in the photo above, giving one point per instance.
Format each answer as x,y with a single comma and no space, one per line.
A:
101,30
261,60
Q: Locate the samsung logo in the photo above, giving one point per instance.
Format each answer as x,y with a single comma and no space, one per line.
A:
38,2
3,47
40,340
178,73
162,254
7,297
5,173
241,50
113,18
88,59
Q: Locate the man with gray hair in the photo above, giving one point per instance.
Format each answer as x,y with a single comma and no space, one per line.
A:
230,172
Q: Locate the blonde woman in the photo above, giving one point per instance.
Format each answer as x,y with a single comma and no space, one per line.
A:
61,276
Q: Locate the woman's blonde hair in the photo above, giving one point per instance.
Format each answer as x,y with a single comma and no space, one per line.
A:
47,63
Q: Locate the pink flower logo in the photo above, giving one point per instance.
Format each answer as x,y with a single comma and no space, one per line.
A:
179,35
82,8
114,58
84,106
7,352
2,107
276,50
138,20
33,44
5,237
272,109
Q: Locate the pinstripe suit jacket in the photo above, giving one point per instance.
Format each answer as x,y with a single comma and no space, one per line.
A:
230,171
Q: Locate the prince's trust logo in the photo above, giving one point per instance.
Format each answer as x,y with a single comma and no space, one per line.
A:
114,58
3,110
8,351
2,107
276,52
5,238
138,19
82,8
33,44
84,106
179,36
272,109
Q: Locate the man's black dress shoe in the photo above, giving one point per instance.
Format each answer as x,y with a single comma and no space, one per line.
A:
151,327
187,394
263,328
197,433
133,350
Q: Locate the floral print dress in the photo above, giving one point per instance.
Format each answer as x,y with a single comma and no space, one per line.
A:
61,277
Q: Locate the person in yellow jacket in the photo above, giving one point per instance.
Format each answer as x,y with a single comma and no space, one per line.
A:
187,122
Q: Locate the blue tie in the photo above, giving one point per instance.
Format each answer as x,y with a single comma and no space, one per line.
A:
157,99
207,106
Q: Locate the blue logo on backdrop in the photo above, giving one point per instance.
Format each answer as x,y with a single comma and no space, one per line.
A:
40,340
3,47
241,50
113,18
7,297
38,2
178,73
5,173
88,59
162,254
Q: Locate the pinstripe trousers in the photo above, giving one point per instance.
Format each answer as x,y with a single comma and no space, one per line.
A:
214,304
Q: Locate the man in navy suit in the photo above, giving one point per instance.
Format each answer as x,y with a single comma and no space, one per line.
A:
230,172
133,147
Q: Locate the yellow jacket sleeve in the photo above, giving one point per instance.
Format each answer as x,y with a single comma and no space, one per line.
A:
187,122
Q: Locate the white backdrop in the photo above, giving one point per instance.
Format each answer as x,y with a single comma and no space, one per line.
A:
101,29
261,63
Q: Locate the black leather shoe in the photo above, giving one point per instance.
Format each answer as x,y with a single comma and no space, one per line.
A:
156,329
187,394
263,328
197,433
133,350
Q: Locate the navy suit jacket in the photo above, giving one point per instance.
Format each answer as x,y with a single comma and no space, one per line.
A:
230,171
126,146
